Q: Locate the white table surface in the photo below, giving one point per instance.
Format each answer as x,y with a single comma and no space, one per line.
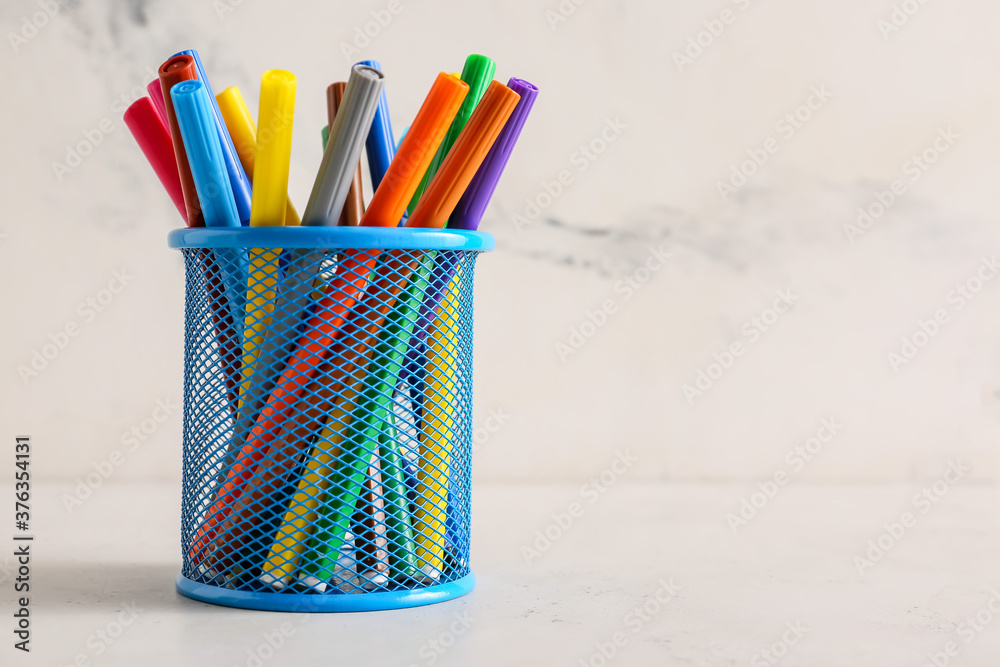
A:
792,564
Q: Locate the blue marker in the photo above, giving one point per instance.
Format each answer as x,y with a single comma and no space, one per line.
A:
240,185
208,169
379,144
201,141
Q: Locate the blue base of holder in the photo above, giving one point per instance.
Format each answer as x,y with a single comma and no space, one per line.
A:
305,602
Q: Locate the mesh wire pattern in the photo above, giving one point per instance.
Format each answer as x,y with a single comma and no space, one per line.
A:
327,419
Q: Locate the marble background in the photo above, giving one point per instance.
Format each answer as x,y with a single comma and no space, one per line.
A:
679,129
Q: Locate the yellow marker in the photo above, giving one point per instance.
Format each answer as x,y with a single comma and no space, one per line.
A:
291,539
273,152
290,542
242,129
437,436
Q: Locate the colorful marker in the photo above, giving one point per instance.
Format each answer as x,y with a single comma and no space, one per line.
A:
239,183
243,131
478,73
190,107
354,205
151,133
273,149
380,147
172,72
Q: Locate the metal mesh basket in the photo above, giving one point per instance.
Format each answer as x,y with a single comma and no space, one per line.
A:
327,416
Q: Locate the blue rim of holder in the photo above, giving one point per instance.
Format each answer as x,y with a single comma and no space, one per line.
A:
330,237
306,603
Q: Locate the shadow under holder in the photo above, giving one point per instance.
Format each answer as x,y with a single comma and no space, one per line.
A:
389,458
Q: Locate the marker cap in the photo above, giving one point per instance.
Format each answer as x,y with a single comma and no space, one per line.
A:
472,205
354,205
478,73
150,132
273,148
240,184
343,150
172,72
193,109
416,151
465,157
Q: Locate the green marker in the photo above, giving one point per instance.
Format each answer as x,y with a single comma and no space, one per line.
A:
398,519
373,409
478,73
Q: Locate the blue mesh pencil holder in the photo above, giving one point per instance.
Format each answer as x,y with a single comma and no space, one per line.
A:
327,416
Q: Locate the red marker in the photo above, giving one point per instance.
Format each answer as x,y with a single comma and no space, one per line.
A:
151,133
156,94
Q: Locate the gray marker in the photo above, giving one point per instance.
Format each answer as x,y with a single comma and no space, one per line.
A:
343,150
340,160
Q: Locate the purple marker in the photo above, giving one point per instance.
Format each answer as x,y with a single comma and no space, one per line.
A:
472,205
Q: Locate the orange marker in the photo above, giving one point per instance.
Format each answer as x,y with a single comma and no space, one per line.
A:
386,208
416,151
460,165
